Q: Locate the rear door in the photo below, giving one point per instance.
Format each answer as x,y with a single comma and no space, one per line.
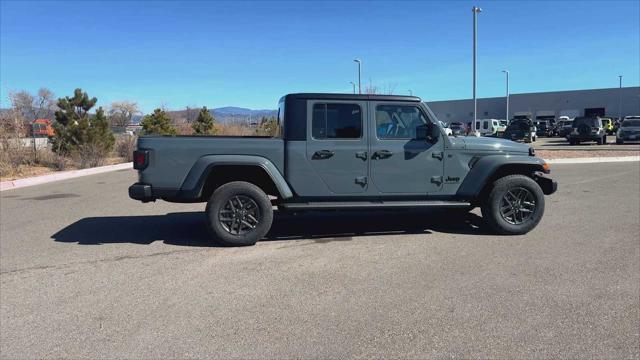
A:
337,144
401,164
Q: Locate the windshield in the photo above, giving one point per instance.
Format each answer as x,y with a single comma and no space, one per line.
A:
630,123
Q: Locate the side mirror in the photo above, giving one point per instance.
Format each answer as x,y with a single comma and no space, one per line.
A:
427,132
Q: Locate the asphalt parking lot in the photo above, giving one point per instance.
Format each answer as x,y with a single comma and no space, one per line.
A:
559,143
87,272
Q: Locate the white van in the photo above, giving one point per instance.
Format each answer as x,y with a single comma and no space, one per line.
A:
489,127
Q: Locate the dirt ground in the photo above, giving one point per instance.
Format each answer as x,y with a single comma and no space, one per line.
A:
25,171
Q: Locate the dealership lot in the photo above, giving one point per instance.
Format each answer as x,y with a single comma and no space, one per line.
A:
87,272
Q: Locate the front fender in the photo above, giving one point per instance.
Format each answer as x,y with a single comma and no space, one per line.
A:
487,166
192,185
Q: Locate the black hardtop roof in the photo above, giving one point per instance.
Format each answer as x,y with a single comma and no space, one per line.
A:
329,96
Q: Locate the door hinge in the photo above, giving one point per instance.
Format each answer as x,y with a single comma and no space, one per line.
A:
361,180
437,155
436,180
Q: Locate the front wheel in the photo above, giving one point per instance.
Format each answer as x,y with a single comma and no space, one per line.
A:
514,206
238,214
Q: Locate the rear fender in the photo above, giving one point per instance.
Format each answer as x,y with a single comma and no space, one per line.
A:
199,173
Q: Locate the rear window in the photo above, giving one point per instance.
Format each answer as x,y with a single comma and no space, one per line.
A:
630,123
589,121
336,121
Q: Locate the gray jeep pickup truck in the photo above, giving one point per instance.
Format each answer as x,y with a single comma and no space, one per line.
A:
339,152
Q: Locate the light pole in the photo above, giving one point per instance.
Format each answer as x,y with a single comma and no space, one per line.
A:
410,92
354,86
507,73
359,74
476,10
620,100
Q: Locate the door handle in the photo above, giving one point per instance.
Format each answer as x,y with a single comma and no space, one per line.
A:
382,154
437,155
361,155
322,154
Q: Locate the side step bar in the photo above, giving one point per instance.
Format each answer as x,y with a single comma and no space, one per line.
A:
374,204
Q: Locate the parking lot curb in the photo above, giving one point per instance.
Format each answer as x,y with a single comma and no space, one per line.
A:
591,160
64,175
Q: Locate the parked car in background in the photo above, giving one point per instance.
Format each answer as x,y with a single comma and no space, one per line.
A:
446,128
607,124
521,129
457,128
629,130
543,128
489,127
587,129
563,126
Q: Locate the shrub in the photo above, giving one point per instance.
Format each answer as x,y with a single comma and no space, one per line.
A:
125,145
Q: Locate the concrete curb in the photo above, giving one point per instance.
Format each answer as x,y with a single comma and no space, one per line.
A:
592,160
63,175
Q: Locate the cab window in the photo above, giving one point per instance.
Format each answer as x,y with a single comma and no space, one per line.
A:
336,121
398,121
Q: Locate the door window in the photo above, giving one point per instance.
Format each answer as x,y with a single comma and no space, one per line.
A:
477,125
398,121
485,124
336,121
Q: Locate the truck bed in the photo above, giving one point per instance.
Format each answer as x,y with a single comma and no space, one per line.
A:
171,157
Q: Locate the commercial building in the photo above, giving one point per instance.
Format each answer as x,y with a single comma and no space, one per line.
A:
601,102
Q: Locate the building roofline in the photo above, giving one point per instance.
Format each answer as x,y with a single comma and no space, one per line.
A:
539,92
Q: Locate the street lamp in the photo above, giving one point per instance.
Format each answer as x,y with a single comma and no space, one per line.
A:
507,73
359,74
410,92
620,99
476,10
354,86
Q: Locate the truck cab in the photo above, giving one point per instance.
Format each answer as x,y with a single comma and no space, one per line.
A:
341,152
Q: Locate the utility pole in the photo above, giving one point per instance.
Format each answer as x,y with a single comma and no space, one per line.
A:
359,75
476,10
507,113
620,99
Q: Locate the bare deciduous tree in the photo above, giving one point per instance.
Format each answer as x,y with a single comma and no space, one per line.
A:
23,103
121,112
45,103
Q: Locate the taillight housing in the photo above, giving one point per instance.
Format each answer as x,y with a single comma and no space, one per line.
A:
140,159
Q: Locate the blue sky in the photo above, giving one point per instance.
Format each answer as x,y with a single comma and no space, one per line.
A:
251,53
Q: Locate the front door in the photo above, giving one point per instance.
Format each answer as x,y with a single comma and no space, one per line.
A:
337,144
400,163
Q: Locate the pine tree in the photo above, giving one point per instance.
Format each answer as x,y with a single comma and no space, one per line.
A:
204,123
99,133
158,123
72,122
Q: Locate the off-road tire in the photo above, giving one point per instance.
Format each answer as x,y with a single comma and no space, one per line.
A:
604,140
491,205
619,142
220,199
599,141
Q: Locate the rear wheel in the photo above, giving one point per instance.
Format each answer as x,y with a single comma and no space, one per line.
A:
238,214
514,206
599,141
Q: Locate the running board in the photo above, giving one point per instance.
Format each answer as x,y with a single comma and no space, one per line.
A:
374,204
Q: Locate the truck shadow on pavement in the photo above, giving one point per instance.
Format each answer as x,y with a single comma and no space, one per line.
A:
188,229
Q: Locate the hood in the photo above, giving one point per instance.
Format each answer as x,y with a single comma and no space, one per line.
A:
494,144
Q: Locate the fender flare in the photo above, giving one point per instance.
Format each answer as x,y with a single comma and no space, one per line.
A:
485,168
200,171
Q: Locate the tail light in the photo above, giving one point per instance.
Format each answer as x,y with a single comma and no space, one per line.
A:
140,159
